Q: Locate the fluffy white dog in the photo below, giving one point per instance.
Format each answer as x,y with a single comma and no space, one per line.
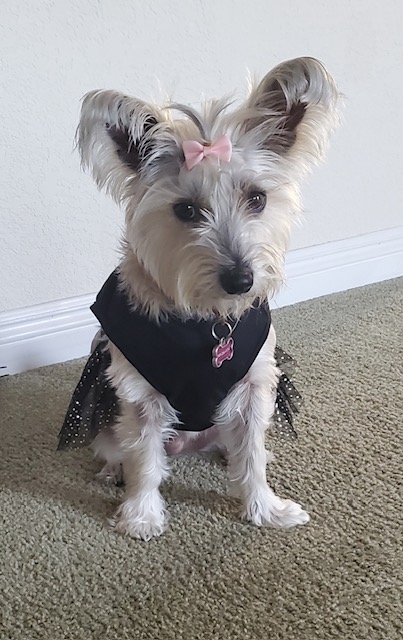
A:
186,358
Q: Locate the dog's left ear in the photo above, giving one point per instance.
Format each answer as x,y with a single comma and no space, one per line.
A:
293,109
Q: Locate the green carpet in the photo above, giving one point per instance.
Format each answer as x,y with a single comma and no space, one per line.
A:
64,574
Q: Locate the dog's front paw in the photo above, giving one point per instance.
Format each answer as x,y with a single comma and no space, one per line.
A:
112,474
141,518
268,509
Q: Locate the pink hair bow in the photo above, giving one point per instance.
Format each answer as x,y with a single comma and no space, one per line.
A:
195,152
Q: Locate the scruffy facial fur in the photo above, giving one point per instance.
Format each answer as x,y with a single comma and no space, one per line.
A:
134,151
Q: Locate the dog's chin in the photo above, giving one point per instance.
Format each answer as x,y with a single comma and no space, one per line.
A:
220,303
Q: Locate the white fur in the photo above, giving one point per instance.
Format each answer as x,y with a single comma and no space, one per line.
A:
171,266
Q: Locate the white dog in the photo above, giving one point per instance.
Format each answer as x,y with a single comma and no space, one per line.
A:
186,357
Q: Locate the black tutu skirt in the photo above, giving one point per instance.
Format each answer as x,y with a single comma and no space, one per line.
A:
289,400
94,405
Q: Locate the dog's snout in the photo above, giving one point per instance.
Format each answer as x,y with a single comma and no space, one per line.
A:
236,280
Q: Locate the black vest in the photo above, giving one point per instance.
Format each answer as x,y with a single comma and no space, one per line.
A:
175,356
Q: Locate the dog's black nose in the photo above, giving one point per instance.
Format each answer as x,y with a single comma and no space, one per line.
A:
236,280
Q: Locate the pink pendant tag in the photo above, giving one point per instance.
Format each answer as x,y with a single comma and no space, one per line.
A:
223,351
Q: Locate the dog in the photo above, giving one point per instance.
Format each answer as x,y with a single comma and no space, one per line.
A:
186,357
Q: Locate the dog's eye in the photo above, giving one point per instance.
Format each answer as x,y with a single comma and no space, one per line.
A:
256,201
187,211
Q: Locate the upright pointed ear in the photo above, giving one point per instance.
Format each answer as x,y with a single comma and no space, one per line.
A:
293,110
114,137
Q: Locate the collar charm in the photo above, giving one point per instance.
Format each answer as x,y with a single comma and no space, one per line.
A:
224,350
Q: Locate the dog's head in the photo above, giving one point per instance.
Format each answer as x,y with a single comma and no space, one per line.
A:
210,196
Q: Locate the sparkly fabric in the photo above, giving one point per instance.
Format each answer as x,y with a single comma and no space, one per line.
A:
289,399
93,406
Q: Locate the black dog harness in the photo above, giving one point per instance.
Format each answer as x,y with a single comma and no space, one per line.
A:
193,363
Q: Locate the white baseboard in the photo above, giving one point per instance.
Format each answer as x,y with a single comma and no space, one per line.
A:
46,334
62,330
344,264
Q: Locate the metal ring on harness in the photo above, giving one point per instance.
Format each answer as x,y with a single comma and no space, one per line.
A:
221,324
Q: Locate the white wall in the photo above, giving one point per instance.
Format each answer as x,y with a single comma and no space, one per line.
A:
58,236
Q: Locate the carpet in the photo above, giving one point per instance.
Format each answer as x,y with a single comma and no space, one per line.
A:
65,575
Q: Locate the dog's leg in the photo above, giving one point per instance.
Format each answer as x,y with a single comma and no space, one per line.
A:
106,448
245,441
141,436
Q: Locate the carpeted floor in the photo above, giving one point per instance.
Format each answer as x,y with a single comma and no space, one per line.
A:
65,575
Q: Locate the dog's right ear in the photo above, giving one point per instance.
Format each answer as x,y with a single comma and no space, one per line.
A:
114,136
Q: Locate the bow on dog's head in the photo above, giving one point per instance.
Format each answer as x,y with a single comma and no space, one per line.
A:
195,152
